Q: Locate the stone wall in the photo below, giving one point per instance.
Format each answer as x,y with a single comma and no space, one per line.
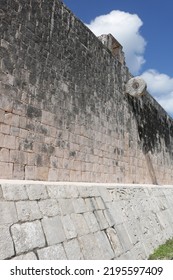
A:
64,114
45,220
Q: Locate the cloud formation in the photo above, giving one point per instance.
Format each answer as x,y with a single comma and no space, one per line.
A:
125,28
161,87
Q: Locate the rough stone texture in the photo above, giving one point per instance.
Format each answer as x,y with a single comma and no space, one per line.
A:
28,256
64,112
53,230
6,243
27,236
8,213
119,222
55,252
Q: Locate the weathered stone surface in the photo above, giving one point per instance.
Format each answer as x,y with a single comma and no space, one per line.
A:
6,243
104,245
101,219
72,249
66,206
28,211
14,192
8,213
56,191
28,256
49,207
55,252
123,237
69,227
80,224
114,241
36,192
91,221
89,248
79,205
53,230
27,236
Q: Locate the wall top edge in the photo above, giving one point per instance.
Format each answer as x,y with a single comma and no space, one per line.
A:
82,184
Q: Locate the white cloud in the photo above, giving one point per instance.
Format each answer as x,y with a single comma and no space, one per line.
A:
125,28
161,87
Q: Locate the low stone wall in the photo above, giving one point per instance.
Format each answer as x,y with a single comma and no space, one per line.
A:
45,220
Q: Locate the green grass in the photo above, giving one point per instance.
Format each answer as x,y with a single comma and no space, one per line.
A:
163,252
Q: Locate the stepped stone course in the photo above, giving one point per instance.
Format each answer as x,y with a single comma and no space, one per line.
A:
111,222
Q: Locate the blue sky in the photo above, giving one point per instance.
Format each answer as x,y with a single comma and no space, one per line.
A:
144,28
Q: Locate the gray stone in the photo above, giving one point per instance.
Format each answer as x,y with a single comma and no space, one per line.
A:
71,191
53,230
14,192
101,219
79,205
8,213
100,203
105,194
104,245
91,221
80,224
69,227
73,250
49,207
28,211
66,206
90,206
109,217
123,237
89,247
56,191
88,191
6,243
27,236
36,192
55,252
114,241
28,256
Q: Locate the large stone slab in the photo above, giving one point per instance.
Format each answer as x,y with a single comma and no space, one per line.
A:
6,243
27,236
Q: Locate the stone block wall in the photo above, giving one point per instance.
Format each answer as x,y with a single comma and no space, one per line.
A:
64,114
47,220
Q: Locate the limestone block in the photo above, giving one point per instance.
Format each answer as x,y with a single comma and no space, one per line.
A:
6,243
114,241
8,213
90,206
80,224
123,237
72,249
28,256
71,191
69,227
104,245
88,191
28,211
79,205
91,221
100,203
56,191
36,192
27,236
10,142
53,230
55,252
89,247
6,170
101,219
66,206
49,207
14,191
109,217
4,154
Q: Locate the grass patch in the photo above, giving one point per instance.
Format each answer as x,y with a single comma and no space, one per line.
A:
163,252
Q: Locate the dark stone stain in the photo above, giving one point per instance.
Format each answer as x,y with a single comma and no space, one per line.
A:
33,112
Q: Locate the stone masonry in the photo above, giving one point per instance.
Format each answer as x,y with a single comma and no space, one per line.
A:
64,113
54,221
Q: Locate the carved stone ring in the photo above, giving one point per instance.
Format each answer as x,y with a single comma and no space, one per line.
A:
136,87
